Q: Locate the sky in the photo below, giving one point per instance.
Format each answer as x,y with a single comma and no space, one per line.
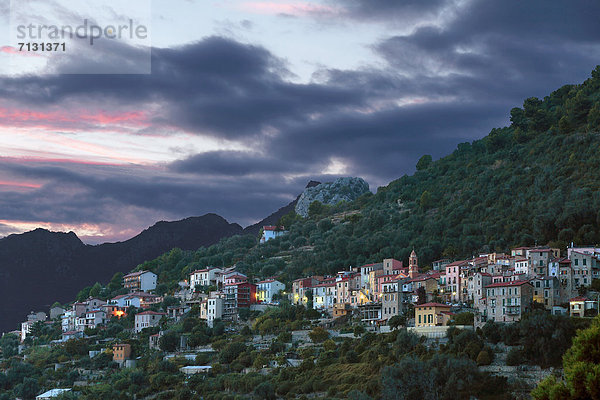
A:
244,102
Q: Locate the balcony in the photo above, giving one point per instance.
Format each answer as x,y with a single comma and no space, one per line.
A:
513,310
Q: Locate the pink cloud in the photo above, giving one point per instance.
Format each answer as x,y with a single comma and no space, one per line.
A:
72,120
13,51
24,185
291,8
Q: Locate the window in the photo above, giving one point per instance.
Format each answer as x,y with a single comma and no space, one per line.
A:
419,318
576,261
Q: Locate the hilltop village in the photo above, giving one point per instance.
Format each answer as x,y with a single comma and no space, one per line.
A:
427,302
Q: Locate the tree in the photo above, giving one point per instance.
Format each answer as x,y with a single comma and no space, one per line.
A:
169,341
265,391
581,365
396,321
484,357
28,389
116,282
424,162
318,335
95,290
426,200
463,318
231,351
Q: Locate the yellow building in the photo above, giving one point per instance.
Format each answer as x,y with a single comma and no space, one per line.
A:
432,314
121,352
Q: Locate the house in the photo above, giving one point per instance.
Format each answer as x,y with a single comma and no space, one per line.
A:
453,288
345,284
585,267
214,309
125,301
393,300
365,271
143,299
238,295
476,284
68,321
578,306
271,232
154,341
267,288
429,282
94,318
50,394
370,313
94,303
204,278
392,266
324,295
121,352
547,291
56,312
507,301
176,312
235,278
147,319
440,265
140,281
522,266
32,318
299,287
113,310
432,314
539,259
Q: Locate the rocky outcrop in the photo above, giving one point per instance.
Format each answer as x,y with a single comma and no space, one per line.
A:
342,189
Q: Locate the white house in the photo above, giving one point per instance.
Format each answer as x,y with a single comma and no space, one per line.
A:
522,266
94,318
267,288
271,232
214,309
147,319
324,295
32,318
68,321
141,280
204,277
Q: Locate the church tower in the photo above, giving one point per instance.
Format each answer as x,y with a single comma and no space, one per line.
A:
413,264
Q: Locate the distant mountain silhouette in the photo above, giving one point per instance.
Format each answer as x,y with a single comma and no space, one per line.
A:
40,267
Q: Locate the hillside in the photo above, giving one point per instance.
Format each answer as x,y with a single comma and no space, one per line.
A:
40,267
533,181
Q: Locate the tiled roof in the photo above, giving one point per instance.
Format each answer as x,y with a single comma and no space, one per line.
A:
578,298
134,274
151,313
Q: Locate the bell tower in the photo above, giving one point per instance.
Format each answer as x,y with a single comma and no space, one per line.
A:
413,264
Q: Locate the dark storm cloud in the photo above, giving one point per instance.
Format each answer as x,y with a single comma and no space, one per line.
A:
234,163
392,11
216,87
444,83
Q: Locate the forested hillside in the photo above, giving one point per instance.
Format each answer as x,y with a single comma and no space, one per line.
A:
536,180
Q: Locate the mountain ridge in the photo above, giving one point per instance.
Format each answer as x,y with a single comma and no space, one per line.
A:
53,266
